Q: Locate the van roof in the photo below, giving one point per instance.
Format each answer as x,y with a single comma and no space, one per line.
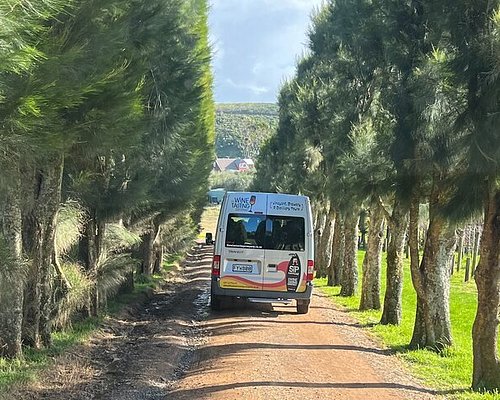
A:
230,194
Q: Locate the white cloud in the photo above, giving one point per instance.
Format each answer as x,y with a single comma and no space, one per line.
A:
255,89
256,44
270,5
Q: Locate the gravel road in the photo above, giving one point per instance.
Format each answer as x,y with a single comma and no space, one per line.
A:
172,347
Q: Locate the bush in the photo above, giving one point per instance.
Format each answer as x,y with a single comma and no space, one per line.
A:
233,181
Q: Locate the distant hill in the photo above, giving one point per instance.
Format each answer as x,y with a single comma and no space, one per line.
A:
242,128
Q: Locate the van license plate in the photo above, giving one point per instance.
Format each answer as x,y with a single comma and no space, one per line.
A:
243,268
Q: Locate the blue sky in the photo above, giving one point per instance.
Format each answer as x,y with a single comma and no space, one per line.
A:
256,44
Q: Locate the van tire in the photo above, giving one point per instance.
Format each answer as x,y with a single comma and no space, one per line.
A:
303,306
215,302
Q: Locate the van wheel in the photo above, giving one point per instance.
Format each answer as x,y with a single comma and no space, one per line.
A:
303,306
215,302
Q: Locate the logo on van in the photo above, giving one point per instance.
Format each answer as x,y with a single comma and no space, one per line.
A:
293,273
244,203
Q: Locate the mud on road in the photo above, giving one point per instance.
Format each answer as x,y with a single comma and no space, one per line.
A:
173,347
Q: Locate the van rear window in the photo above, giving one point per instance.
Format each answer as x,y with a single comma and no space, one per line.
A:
286,233
246,231
265,232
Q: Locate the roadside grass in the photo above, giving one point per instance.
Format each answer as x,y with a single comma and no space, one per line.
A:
143,286
22,371
449,373
209,221
26,370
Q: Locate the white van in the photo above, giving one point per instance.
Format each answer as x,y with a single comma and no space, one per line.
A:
264,249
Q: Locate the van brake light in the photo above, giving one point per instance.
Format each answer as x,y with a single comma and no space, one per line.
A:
310,270
216,266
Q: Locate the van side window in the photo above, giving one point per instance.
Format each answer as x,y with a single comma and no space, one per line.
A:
246,231
288,233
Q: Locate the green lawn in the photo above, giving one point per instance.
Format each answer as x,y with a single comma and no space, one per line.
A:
448,372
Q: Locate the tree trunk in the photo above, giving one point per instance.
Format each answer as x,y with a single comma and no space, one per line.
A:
41,231
147,247
486,365
159,254
475,250
362,226
12,273
392,312
319,233
431,278
460,249
337,259
350,267
370,288
91,250
326,244
320,245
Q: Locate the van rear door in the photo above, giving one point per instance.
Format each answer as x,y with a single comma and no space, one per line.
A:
285,265
243,248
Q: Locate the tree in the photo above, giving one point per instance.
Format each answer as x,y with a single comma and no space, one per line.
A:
75,129
471,33
25,26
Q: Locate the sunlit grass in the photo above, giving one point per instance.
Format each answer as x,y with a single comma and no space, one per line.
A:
209,221
447,372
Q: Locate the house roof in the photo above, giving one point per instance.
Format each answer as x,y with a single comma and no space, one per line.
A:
225,164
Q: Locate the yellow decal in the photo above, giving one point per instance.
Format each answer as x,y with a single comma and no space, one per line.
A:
230,282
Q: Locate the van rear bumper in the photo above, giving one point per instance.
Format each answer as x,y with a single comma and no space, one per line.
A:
265,294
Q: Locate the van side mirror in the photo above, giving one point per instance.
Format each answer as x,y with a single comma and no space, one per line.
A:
209,238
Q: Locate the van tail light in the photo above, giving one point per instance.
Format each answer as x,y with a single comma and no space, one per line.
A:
216,266
310,270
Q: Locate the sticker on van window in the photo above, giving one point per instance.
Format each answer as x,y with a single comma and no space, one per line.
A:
244,203
292,206
293,274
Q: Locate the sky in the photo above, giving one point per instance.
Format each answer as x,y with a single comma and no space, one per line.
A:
256,44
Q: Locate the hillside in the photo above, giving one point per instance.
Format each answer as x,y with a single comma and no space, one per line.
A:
242,128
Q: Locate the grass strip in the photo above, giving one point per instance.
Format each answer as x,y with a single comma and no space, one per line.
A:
449,373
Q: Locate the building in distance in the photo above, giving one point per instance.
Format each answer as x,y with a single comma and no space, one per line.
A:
233,165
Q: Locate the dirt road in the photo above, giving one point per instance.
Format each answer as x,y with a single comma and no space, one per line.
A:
173,347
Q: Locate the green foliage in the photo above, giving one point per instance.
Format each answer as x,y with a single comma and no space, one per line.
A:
177,235
120,93
76,298
69,225
399,101
231,181
242,129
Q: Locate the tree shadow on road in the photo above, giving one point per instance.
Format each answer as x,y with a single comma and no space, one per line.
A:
227,349
201,392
